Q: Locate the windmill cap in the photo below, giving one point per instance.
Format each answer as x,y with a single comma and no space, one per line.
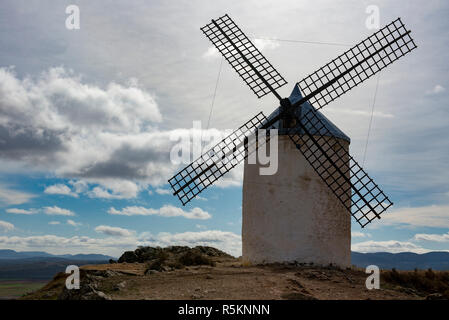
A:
333,130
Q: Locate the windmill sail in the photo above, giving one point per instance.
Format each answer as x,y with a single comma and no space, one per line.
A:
243,56
343,175
329,158
357,64
216,162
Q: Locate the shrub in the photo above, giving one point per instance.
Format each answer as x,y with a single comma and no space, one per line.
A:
428,281
192,258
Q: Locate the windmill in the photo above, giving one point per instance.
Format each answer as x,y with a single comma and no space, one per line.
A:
301,213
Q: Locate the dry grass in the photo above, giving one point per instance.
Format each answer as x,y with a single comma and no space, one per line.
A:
424,281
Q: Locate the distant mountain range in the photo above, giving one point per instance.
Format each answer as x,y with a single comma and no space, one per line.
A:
402,261
11,254
33,265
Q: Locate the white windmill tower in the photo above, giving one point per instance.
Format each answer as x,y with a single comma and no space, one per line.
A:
302,212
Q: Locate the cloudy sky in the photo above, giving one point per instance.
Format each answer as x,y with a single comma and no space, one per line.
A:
86,118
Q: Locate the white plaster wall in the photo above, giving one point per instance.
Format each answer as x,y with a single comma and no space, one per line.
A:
293,215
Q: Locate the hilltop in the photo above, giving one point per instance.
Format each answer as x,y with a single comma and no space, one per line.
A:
208,273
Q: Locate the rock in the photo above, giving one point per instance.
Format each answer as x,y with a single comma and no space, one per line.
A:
165,268
156,265
87,291
99,295
101,273
88,287
47,295
128,256
210,291
120,286
196,296
296,283
211,252
147,253
111,261
144,254
408,290
435,296
148,272
110,273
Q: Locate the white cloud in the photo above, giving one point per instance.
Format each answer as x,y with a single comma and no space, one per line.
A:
54,222
436,90
55,122
211,52
103,138
11,197
115,246
115,189
427,216
432,237
113,231
391,246
77,244
162,191
165,211
233,178
226,241
79,185
358,234
22,211
61,189
53,211
6,226
56,211
73,223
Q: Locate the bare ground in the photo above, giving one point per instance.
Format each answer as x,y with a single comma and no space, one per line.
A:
228,280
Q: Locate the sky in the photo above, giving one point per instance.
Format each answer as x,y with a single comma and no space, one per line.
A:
87,119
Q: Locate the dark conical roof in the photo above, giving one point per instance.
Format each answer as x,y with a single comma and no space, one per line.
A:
305,108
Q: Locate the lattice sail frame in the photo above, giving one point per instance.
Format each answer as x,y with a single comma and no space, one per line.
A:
357,64
241,53
217,161
330,159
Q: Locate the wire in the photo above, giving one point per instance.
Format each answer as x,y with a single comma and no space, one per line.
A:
213,98
303,41
370,120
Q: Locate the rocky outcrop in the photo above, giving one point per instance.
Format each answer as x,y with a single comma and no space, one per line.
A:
88,288
128,256
146,254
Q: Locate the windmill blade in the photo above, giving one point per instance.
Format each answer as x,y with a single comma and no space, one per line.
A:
243,56
357,64
348,181
217,161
